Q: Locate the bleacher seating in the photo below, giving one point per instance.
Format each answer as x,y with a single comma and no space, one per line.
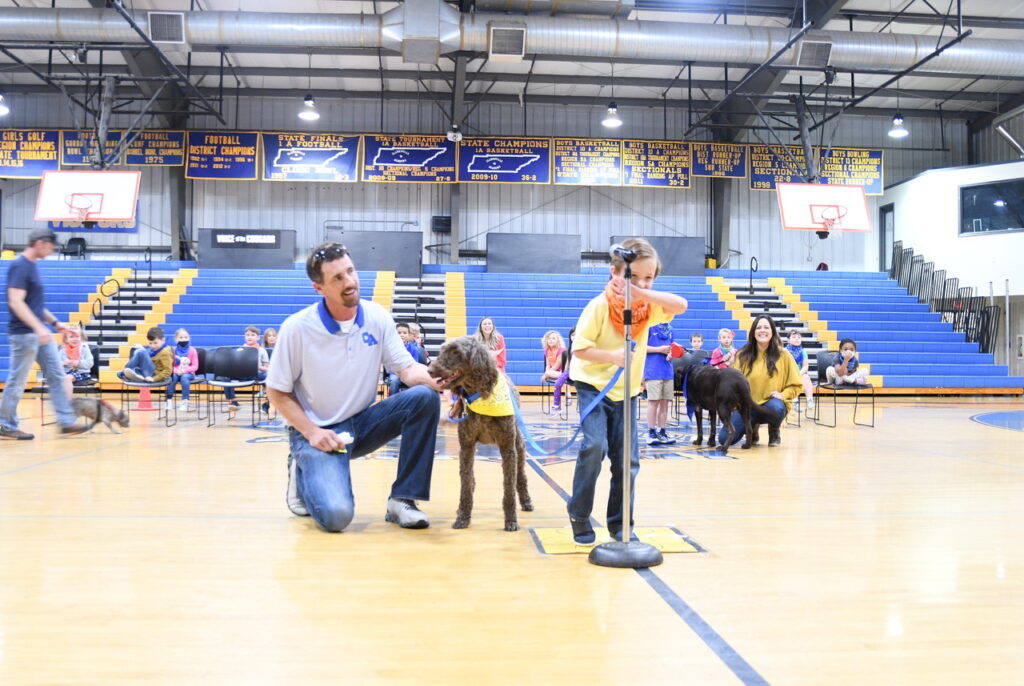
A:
525,306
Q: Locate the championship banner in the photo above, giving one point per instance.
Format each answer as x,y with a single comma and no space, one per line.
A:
408,159
156,149
27,153
505,160
769,164
329,157
722,160
77,146
852,167
587,162
222,155
659,164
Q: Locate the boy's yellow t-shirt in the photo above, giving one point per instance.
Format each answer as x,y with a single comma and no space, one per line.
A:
595,330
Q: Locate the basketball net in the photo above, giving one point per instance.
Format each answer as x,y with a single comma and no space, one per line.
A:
78,206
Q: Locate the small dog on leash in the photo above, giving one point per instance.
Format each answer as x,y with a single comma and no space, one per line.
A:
96,411
467,368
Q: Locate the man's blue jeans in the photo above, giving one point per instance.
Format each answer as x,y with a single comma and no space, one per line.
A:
771,413
25,350
602,433
324,481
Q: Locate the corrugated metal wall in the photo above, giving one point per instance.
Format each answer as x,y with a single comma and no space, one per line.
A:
990,147
595,213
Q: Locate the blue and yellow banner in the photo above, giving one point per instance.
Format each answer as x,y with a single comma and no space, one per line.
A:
222,155
77,147
852,167
657,164
156,149
505,160
587,162
408,159
721,160
27,153
330,157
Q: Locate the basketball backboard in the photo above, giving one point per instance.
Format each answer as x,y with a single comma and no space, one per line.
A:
88,196
823,207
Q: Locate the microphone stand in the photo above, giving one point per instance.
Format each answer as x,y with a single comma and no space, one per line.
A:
626,553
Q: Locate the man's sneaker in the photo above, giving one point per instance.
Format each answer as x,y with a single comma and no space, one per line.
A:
663,437
129,374
292,497
404,512
73,429
652,437
15,434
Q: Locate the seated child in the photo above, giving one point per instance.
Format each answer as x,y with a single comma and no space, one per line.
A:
75,357
696,341
186,364
845,366
269,339
418,353
796,349
252,340
151,364
556,403
554,349
724,354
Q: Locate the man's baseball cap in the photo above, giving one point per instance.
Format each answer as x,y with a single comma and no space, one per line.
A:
42,235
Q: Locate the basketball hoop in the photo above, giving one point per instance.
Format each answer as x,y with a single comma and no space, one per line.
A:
80,205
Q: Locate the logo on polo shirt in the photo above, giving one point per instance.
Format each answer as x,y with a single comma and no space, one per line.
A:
368,338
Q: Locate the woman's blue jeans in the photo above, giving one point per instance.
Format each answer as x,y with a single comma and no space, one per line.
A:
186,382
602,434
771,413
324,481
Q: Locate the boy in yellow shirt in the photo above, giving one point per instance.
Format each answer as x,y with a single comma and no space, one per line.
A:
597,354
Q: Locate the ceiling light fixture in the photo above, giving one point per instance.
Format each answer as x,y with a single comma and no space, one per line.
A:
898,130
309,111
612,120
4,109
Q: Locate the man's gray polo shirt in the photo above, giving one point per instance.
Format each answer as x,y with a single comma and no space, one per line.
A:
333,374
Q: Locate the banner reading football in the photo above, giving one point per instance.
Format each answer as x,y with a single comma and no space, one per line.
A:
328,157
156,149
505,160
222,155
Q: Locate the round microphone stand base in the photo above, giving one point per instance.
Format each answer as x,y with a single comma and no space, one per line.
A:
628,555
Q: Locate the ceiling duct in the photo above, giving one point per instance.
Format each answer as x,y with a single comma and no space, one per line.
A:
604,8
166,27
446,31
507,42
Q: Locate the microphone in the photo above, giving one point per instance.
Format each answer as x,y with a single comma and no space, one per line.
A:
624,254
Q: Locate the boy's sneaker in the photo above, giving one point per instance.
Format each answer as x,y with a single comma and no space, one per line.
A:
15,434
183,406
292,497
404,512
582,532
652,437
73,429
663,437
168,404
130,374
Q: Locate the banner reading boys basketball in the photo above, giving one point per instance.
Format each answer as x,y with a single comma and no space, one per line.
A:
505,160
852,167
156,149
27,153
408,159
771,164
327,157
722,160
661,164
222,155
77,147
587,162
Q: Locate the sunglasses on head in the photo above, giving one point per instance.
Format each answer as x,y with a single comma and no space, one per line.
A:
331,252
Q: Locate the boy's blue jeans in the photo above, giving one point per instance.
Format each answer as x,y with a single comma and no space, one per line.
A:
324,481
771,413
142,363
602,433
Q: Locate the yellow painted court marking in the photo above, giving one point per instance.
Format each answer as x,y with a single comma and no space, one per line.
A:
559,541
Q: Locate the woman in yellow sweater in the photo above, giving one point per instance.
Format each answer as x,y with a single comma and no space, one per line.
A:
774,380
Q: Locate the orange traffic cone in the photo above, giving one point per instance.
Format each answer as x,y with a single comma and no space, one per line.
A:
145,403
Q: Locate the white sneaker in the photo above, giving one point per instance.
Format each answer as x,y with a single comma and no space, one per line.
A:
131,375
292,498
183,406
168,405
405,513
810,404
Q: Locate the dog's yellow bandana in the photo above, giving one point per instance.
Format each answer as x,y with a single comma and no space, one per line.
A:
498,404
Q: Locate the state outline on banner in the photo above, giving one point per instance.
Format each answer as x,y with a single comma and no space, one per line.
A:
494,161
299,166
401,156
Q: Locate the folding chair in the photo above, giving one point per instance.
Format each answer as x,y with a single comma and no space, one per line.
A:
161,391
235,367
824,359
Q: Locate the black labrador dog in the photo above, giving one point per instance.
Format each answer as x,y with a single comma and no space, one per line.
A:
720,392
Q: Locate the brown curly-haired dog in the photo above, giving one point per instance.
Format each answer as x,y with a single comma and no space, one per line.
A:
466,367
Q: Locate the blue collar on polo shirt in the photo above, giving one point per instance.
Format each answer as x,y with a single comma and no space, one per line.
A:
330,323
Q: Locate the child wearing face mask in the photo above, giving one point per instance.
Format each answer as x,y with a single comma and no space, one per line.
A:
186,363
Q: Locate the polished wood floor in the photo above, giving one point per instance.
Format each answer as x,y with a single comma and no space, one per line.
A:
846,556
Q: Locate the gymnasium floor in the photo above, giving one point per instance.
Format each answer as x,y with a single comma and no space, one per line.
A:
847,556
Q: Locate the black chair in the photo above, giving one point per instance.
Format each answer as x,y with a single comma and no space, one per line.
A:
74,248
89,387
824,360
235,367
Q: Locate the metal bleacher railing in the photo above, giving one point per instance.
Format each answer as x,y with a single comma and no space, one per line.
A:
962,307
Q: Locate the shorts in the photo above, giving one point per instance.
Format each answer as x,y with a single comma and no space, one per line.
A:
660,389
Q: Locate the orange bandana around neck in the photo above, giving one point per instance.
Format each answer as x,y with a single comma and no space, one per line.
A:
616,306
